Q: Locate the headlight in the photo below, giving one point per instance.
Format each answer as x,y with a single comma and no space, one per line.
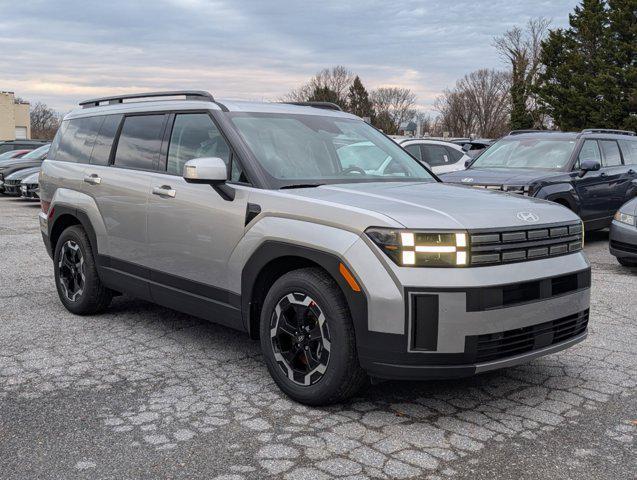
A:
520,189
625,218
412,248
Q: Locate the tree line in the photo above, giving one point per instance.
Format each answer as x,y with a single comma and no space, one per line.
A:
570,78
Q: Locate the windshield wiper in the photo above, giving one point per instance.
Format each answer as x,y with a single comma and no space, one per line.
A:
302,185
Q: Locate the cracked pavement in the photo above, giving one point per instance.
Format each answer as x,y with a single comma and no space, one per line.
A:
145,392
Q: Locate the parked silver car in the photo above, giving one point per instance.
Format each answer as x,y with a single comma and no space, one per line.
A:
261,217
623,234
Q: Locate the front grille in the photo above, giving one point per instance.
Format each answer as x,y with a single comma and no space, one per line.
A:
495,346
522,190
626,247
490,247
12,183
502,296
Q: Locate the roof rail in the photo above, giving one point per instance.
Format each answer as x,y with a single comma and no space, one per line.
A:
608,130
520,132
324,105
189,94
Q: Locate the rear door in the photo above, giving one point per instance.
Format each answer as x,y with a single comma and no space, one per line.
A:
120,189
616,174
192,229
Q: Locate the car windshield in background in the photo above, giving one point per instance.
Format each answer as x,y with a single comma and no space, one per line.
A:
527,153
313,149
37,153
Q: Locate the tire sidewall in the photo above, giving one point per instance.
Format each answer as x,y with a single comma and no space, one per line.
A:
340,344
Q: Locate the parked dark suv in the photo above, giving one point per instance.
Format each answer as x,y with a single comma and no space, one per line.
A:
593,172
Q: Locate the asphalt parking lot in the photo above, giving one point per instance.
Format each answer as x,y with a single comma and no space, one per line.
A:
145,392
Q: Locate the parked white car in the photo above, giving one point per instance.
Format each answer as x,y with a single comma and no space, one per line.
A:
440,156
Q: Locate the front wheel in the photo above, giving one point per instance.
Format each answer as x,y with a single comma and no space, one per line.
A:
307,338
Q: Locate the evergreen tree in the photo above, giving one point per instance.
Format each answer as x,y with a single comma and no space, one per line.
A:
586,80
326,94
358,101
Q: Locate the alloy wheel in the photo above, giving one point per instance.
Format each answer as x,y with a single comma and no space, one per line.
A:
71,270
300,338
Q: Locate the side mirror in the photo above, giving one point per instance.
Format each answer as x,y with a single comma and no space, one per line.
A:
466,147
467,163
589,166
212,170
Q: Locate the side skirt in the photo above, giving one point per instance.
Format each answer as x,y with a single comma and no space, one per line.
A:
193,298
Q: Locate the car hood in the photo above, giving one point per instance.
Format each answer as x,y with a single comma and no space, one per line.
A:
498,176
629,207
436,205
20,174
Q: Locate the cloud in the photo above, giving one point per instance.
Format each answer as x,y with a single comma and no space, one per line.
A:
61,52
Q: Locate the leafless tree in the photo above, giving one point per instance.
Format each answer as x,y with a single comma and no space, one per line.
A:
521,49
477,105
44,121
396,105
338,79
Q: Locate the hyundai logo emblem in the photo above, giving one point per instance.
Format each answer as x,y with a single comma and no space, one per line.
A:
527,216
467,180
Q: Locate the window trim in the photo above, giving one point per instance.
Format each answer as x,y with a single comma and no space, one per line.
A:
111,160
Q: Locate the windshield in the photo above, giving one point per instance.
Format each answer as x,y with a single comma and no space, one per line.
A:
37,153
312,149
526,153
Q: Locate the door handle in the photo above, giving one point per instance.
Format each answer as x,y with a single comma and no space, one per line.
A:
603,174
631,171
92,179
164,191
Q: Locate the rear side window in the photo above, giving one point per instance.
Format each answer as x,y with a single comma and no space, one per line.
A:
454,154
139,142
414,150
104,140
629,150
435,155
76,140
610,149
194,135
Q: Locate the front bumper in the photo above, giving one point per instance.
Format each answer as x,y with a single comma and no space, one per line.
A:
424,323
623,240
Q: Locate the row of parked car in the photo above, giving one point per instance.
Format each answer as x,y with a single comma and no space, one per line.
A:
20,168
592,172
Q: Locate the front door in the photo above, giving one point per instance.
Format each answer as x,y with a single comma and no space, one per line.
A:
192,230
593,188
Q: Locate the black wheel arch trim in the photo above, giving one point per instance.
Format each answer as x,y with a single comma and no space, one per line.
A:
271,250
82,218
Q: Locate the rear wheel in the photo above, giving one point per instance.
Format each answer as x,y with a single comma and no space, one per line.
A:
626,262
78,284
308,339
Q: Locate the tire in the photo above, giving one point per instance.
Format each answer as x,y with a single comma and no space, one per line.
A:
83,297
338,375
627,262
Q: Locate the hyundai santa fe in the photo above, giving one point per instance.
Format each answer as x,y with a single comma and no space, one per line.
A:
270,218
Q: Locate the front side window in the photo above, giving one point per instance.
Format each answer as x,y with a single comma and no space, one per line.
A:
610,149
415,151
194,135
315,149
140,142
589,151
454,154
540,153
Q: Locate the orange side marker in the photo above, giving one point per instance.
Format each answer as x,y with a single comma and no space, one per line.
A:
349,278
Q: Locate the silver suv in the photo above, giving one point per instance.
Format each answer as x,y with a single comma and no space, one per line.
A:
347,263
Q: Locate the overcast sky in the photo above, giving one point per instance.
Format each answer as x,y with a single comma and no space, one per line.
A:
63,51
